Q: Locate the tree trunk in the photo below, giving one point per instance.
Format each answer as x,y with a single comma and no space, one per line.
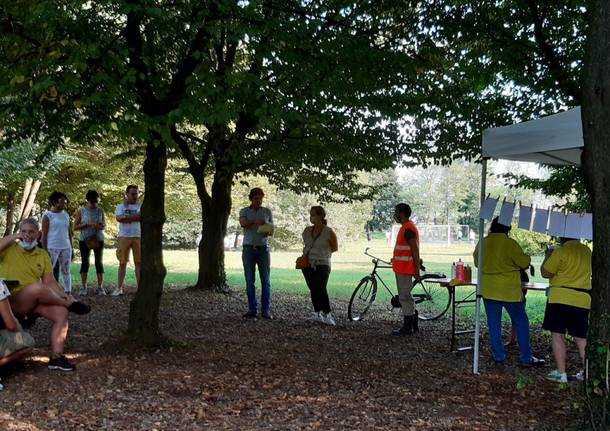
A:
144,310
10,213
215,210
596,162
30,190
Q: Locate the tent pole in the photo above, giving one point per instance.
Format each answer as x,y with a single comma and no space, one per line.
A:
477,328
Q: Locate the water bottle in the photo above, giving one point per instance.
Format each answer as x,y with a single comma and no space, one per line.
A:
453,271
459,270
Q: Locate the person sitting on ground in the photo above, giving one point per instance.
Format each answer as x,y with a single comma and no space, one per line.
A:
15,343
36,292
567,310
320,242
501,288
57,236
90,221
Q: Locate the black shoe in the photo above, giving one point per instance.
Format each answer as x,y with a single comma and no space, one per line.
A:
407,327
250,315
28,320
61,363
267,315
415,324
536,362
78,307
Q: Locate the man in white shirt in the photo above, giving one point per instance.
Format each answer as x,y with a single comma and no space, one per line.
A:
128,216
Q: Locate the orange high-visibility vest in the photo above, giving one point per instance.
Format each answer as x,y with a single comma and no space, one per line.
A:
402,262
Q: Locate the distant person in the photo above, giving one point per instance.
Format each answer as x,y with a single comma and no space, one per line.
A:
90,221
15,343
320,242
567,311
406,266
503,259
57,236
256,252
128,216
35,291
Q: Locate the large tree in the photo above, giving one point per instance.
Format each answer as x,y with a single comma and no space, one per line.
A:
596,128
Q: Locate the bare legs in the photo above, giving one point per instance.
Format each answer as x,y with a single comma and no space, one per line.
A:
559,349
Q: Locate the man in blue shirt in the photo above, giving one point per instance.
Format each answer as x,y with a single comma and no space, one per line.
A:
256,252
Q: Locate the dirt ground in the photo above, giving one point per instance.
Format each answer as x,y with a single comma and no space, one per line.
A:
224,372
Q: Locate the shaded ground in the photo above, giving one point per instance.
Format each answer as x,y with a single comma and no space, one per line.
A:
286,374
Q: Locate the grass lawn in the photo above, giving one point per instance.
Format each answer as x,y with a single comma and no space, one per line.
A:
349,266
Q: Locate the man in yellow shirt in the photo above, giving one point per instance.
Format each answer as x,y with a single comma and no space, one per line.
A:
569,270
501,288
36,292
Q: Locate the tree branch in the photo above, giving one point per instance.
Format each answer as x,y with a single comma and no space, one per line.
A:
551,58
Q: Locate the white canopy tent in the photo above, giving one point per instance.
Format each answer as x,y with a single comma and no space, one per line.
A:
554,140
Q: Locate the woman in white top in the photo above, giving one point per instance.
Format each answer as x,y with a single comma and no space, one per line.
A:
57,236
319,243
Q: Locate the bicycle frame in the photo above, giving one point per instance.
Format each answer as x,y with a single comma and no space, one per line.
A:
376,264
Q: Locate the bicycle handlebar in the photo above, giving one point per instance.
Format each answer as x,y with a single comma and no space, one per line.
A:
366,252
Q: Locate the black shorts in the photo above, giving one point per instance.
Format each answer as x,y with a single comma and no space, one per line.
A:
563,318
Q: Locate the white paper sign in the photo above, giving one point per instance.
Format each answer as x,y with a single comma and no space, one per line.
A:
557,224
488,208
541,219
525,217
573,226
506,213
586,231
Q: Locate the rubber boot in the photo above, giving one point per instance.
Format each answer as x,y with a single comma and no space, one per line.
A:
415,324
407,327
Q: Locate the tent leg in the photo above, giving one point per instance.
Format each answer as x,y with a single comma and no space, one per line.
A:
477,328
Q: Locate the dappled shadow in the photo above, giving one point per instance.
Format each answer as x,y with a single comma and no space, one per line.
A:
223,372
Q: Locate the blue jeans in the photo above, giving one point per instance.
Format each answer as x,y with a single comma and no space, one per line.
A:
251,257
518,317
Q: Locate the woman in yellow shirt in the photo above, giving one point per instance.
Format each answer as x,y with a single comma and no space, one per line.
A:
501,288
567,310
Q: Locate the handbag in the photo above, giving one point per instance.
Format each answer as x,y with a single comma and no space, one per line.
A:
93,243
302,261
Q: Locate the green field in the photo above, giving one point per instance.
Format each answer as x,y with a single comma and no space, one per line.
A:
349,266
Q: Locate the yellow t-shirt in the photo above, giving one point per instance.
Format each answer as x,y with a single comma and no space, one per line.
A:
25,266
503,257
571,264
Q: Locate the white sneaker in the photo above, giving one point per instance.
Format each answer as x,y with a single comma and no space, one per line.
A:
556,376
116,292
329,319
580,375
315,316
83,291
101,291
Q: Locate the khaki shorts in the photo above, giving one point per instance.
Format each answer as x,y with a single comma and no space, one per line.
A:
11,342
126,244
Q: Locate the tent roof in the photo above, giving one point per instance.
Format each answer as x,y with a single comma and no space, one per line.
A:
556,140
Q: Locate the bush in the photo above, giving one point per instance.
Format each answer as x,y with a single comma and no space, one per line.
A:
532,243
183,234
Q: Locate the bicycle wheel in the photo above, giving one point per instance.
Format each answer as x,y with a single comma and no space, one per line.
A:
362,298
432,299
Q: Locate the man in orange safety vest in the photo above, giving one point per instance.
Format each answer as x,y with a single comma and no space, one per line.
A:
406,265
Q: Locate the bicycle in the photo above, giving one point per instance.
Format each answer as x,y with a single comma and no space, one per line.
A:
432,298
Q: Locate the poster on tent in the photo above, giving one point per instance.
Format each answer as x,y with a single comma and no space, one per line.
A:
506,213
525,217
586,230
573,226
557,224
488,208
541,219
